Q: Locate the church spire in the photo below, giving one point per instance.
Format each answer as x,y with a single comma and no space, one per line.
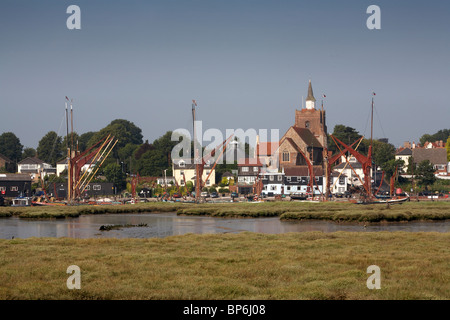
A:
310,100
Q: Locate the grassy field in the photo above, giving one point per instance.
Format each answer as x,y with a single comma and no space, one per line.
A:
335,211
310,265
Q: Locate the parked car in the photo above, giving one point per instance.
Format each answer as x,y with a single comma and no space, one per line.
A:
2,201
176,195
204,194
214,195
234,195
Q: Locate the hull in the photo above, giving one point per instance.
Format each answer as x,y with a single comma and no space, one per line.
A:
388,201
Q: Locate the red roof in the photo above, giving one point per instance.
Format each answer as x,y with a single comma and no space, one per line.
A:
249,162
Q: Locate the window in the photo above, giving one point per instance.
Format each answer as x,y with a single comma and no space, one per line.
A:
182,164
341,180
88,188
271,178
244,169
97,187
255,169
207,182
307,124
273,188
208,172
288,178
286,156
2,189
14,188
288,188
280,178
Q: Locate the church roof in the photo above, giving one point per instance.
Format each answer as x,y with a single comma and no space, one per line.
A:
307,136
310,96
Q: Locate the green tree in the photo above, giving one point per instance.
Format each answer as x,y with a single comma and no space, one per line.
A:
347,135
143,148
10,146
382,153
425,173
390,166
447,145
113,173
189,186
440,135
126,154
83,140
152,163
157,156
73,138
49,148
28,153
125,131
221,168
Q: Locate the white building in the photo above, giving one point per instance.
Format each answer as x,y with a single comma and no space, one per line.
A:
35,167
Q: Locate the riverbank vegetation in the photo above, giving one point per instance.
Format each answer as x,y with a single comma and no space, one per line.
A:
334,211
308,265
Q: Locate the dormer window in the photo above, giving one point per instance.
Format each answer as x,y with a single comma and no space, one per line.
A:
182,164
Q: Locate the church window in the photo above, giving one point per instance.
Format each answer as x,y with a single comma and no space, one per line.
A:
285,156
307,124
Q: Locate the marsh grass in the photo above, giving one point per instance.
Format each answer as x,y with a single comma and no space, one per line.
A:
311,265
335,211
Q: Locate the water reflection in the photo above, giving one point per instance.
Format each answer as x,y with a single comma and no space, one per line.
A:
168,224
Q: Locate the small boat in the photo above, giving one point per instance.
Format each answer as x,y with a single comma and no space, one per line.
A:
298,196
22,202
38,203
386,201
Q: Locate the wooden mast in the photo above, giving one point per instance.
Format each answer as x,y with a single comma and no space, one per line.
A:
196,156
369,154
69,184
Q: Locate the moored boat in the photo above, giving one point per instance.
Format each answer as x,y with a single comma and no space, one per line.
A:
22,202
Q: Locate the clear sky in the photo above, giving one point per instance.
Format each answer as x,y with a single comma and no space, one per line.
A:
246,62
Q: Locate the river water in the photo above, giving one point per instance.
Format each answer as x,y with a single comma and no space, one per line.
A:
168,224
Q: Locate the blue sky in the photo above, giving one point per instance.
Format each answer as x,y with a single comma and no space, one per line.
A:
246,62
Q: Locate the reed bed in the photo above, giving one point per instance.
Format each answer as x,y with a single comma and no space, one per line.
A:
309,265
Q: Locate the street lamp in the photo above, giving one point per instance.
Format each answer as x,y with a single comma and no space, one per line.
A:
165,178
